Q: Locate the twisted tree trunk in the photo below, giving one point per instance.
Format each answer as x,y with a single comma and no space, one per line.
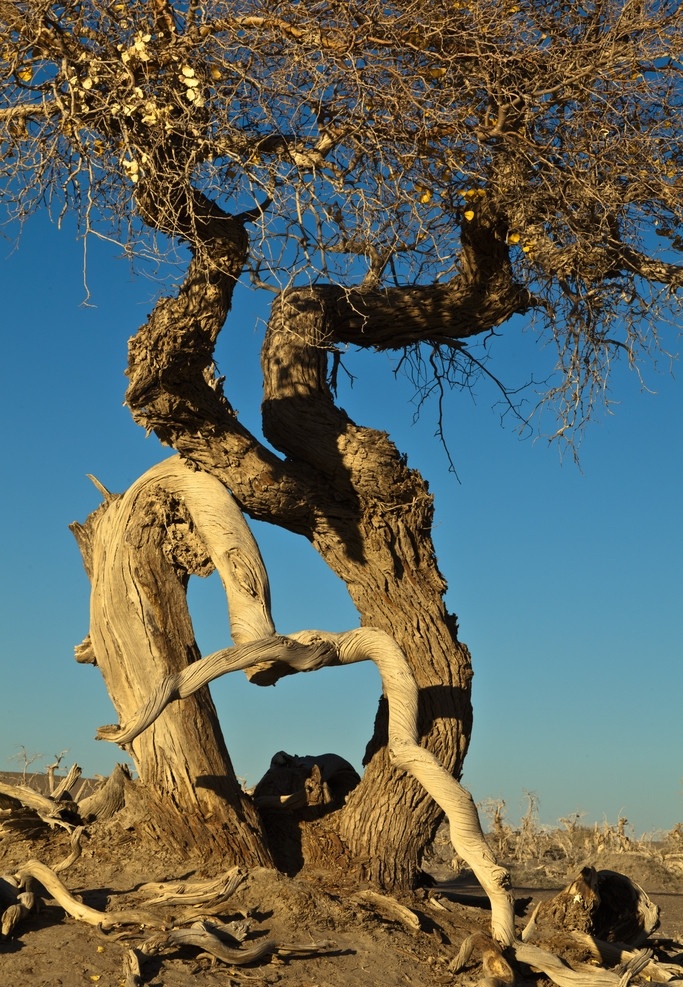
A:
345,488
139,551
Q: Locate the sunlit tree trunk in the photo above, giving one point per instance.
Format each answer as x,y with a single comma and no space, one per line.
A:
138,552
378,540
345,488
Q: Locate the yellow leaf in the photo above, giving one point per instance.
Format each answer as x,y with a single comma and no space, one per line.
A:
514,238
426,196
215,73
25,73
469,214
436,73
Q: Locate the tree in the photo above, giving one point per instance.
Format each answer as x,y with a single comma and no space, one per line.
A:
404,177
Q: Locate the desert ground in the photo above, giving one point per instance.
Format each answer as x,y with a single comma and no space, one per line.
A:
323,932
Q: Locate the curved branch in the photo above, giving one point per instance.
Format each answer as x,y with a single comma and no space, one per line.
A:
656,271
220,524
307,650
28,111
180,685
61,894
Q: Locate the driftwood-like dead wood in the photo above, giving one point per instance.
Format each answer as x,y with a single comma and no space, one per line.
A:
603,904
195,892
75,853
11,917
581,975
619,954
308,650
47,809
593,911
132,975
19,906
63,788
202,937
390,908
210,939
283,650
108,799
84,913
139,550
496,968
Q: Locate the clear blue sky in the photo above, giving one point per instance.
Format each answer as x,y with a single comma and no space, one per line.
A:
568,585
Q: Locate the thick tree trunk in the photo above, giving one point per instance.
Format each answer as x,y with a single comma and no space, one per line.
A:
379,543
345,488
138,552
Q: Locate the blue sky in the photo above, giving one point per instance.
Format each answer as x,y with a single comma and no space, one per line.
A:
568,584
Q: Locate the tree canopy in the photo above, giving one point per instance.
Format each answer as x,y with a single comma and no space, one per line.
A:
527,149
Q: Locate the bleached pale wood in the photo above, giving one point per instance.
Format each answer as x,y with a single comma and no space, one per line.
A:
497,970
390,908
195,892
234,552
308,650
11,917
47,809
132,974
84,913
75,853
186,682
211,939
582,975
67,783
617,954
577,908
401,692
139,550
202,937
106,800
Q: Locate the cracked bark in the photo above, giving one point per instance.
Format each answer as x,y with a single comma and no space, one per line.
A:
138,552
346,488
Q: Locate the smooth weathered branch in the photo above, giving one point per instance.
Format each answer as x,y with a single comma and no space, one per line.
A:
319,648
84,913
274,649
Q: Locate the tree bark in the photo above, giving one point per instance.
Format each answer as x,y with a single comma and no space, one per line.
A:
347,489
380,545
138,551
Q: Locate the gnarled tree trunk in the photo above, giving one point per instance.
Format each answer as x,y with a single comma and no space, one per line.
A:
343,487
138,552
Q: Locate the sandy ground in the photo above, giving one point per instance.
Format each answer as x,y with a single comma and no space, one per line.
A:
364,942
